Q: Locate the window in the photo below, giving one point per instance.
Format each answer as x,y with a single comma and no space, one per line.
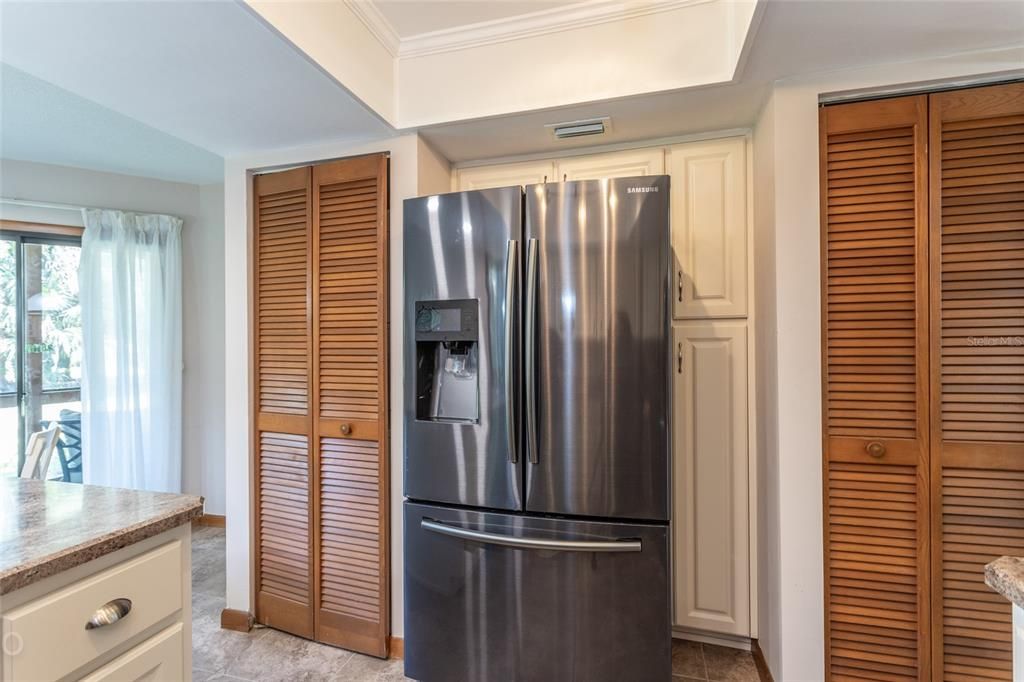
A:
40,344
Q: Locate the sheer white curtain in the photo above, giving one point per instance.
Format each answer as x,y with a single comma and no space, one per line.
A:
130,292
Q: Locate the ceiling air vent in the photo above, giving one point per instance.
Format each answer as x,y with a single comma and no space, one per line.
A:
590,126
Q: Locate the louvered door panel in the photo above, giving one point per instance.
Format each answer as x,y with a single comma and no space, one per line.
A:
977,334
283,526
982,518
349,314
874,570
874,307
281,333
350,380
351,542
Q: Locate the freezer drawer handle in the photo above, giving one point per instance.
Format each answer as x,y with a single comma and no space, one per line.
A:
533,543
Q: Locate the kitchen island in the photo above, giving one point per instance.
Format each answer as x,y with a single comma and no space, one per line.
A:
1005,575
95,582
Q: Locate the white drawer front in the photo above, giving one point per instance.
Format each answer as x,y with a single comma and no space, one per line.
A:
157,659
51,629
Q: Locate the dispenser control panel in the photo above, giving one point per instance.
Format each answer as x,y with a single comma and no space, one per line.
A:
447,362
452,320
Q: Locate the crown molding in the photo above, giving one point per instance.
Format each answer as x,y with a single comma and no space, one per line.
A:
522,26
376,23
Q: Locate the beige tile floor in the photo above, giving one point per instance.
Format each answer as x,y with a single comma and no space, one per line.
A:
263,654
692,661
269,655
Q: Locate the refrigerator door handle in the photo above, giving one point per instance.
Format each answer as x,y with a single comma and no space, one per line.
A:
530,348
625,545
511,313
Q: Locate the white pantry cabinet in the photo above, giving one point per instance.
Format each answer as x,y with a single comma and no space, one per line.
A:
504,175
710,529
625,164
709,228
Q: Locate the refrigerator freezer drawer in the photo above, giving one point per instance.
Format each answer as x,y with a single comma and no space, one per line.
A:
493,597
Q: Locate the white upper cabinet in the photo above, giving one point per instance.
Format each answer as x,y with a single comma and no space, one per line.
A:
710,506
612,165
709,228
504,175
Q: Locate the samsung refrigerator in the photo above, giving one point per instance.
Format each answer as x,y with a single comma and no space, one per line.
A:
537,440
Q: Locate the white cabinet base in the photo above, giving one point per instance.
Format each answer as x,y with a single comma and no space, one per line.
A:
152,641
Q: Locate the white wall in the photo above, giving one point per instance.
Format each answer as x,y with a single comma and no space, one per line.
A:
765,386
338,42
202,436
688,45
796,648
202,310
434,172
422,81
410,158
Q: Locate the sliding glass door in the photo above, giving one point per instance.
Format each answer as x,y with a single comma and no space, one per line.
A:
40,349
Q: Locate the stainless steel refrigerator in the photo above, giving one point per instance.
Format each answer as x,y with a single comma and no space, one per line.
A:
536,365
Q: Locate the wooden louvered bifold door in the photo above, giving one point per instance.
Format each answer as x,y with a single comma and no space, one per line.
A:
875,383
977,346
350,337
282,401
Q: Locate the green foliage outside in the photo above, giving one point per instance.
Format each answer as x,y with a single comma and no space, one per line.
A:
61,346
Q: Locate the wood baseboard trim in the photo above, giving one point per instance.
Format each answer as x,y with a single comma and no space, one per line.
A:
212,520
762,665
233,619
396,645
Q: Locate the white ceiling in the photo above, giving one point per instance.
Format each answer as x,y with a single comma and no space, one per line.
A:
43,123
795,37
415,17
208,73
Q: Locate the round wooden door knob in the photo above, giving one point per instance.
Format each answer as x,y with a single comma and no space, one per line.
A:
346,429
875,449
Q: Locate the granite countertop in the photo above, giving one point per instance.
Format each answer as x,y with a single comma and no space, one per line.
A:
1005,575
47,527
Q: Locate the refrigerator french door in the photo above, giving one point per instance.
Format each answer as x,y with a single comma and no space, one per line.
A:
536,445
461,276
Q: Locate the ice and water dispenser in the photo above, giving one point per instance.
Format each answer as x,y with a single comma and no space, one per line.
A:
447,361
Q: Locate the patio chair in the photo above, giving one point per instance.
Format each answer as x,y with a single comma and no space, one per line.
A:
38,452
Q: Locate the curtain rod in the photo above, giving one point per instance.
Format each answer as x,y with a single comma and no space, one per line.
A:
42,204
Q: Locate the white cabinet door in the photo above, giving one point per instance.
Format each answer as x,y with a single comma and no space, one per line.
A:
504,175
710,518
612,165
709,228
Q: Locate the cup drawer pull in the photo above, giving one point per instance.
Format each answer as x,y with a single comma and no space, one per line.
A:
111,612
